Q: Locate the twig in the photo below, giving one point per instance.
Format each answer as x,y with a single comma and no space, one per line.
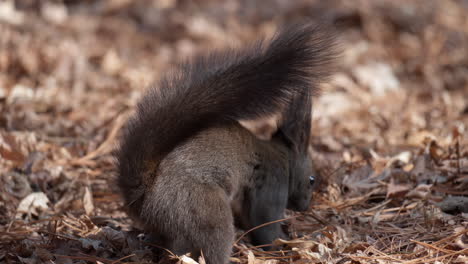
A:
262,225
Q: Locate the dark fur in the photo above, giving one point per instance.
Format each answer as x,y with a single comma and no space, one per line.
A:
187,168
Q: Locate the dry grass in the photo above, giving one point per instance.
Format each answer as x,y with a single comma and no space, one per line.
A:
390,130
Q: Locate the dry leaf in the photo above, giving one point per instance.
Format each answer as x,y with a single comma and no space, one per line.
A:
9,14
186,260
454,205
397,190
33,204
88,201
422,191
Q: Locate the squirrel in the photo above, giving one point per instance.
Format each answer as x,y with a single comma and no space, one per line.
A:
189,171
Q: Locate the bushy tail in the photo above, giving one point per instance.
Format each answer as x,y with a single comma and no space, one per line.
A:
221,87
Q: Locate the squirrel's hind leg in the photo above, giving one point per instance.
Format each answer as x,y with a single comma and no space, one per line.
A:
205,225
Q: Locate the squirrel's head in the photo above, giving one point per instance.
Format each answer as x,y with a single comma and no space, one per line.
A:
302,177
301,181
291,127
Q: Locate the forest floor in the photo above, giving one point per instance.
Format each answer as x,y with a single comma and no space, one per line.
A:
389,129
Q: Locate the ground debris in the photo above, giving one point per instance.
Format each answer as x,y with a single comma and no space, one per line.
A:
389,130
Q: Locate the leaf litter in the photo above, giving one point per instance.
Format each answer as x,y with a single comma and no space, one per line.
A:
389,130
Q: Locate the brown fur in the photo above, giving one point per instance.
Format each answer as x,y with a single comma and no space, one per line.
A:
188,170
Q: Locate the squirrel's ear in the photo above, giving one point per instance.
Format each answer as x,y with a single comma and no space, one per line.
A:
296,123
263,128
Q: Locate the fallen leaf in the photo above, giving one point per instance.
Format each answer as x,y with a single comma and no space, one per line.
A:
33,204
397,190
454,205
88,201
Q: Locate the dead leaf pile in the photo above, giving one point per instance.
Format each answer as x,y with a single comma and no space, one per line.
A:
389,129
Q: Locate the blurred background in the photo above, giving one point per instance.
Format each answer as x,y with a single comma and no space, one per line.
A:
389,128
